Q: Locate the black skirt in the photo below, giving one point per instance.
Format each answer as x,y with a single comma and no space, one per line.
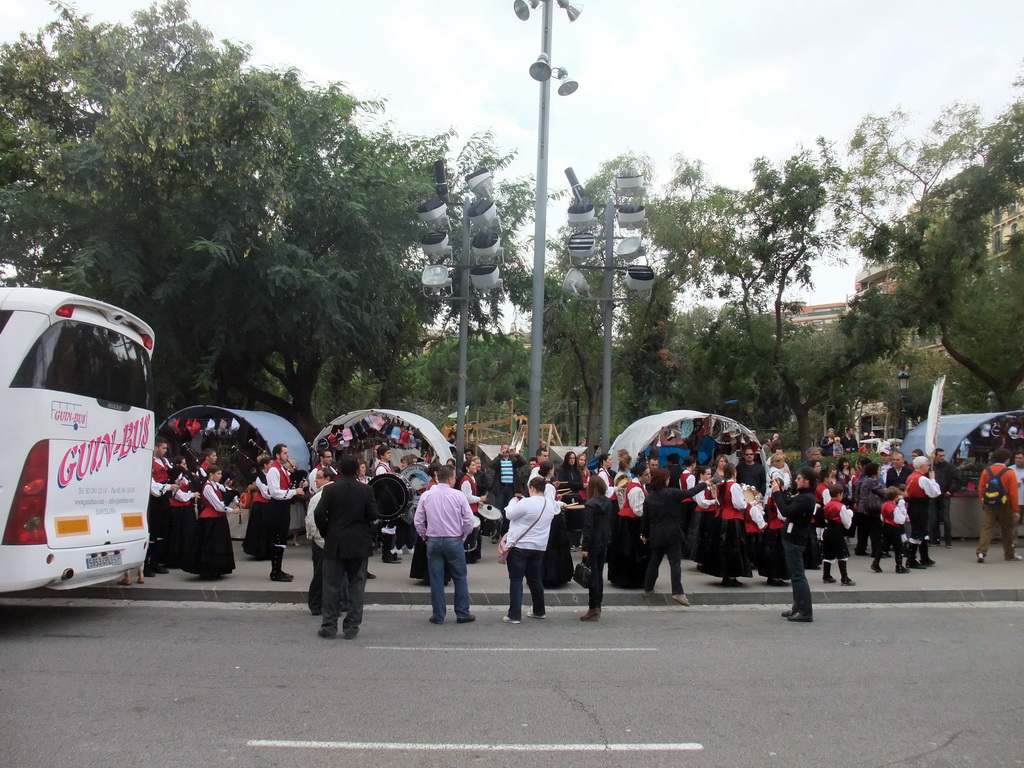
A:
690,524
812,552
772,561
755,543
707,526
627,555
181,530
833,545
556,567
212,554
258,542
728,558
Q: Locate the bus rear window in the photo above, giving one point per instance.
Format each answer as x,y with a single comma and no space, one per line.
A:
5,315
90,361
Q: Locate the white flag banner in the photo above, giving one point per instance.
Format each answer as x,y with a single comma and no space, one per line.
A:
931,435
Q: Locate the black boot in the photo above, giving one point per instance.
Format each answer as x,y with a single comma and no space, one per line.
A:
900,568
276,574
874,564
826,573
912,558
845,580
925,560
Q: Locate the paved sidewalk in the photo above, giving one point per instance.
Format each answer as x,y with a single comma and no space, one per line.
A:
956,578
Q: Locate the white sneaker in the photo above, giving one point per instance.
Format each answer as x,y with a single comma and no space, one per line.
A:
533,615
1015,557
981,557
507,620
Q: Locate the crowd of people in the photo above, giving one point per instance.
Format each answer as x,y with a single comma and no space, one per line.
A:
731,520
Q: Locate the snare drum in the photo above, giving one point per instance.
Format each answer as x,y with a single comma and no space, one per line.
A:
472,541
489,512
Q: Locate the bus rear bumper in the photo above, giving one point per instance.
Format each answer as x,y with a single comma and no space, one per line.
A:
26,567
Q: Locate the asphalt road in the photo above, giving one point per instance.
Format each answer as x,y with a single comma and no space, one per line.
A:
142,684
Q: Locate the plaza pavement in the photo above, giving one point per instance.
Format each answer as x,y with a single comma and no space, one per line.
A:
957,577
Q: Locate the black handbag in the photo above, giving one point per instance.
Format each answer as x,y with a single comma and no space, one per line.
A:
582,574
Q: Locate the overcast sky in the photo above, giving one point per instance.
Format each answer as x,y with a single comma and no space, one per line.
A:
722,81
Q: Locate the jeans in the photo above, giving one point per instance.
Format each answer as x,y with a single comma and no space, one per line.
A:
675,555
441,551
801,589
938,512
525,562
503,494
596,558
335,572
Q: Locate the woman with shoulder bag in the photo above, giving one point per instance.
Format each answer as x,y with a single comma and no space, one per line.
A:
597,535
529,523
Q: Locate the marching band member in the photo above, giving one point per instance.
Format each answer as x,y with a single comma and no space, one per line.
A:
628,555
838,518
181,522
388,551
159,509
468,487
258,541
212,554
281,494
728,558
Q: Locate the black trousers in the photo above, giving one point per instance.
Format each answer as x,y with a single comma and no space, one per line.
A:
315,600
596,558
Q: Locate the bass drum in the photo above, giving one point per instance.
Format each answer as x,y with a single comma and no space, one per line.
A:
393,495
417,476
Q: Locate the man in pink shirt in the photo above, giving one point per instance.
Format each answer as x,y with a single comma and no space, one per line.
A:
444,519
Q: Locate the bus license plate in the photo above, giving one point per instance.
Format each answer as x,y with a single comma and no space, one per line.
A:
101,561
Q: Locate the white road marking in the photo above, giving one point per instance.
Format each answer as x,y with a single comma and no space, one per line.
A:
442,747
91,602
463,649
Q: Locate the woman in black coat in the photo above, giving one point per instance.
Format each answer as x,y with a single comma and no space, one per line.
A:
661,529
598,513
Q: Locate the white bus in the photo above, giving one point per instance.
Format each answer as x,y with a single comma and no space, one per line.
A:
77,431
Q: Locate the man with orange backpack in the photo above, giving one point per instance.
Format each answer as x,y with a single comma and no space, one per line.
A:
997,490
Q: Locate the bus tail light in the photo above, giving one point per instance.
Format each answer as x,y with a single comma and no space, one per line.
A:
65,311
147,341
26,523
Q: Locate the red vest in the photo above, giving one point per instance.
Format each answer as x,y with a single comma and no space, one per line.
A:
626,510
914,489
727,510
472,489
209,511
684,478
183,485
284,479
832,511
888,513
160,469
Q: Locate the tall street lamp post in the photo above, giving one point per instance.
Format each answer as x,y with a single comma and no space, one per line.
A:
903,379
542,72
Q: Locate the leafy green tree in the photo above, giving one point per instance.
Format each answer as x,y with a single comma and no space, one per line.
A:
754,249
924,207
248,215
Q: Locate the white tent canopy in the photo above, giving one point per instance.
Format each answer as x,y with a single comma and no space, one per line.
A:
641,433
440,448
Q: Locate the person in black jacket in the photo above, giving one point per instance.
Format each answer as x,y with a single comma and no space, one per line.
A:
799,512
598,512
661,528
345,519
